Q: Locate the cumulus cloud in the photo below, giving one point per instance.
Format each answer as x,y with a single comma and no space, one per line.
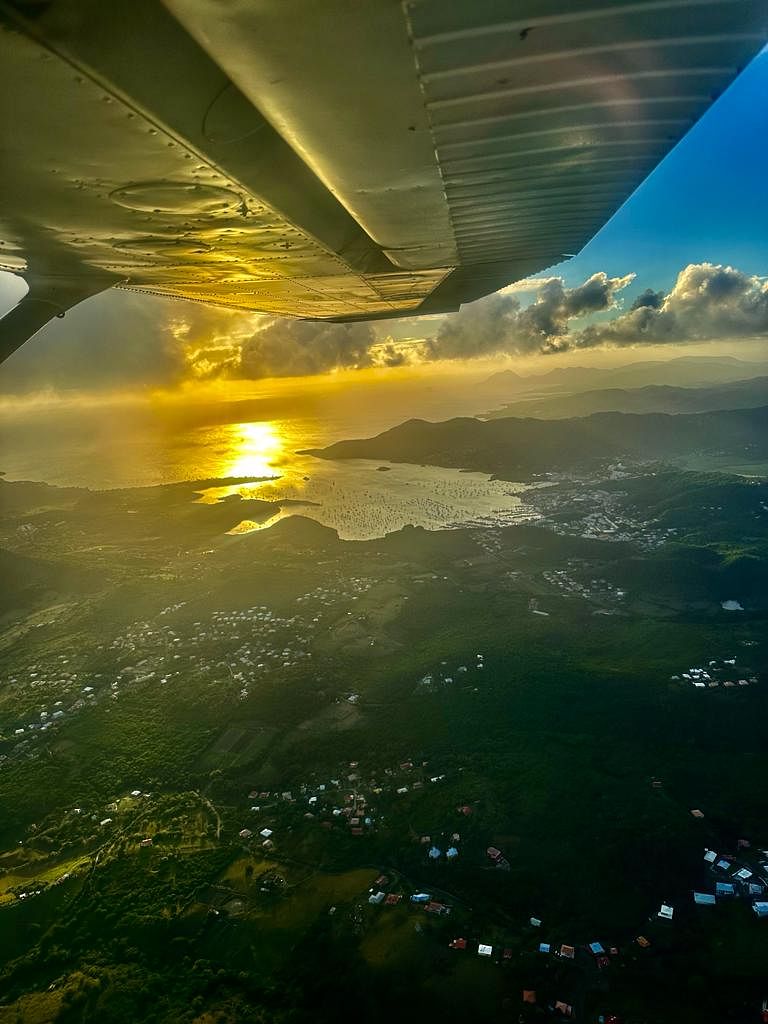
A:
281,347
292,348
391,354
114,340
500,323
527,284
648,298
210,340
708,302
475,330
123,340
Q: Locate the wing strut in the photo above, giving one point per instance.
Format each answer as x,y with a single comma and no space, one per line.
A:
47,298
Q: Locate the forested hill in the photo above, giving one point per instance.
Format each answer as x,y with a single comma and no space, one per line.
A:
514,448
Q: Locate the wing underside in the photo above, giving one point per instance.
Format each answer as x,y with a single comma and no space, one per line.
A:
335,160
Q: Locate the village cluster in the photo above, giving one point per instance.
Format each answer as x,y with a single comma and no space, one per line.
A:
349,803
734,876
567,581
346,801
725,672
58,677
731,876
444,677
236,646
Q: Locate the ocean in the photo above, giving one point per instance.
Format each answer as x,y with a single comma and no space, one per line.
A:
254,434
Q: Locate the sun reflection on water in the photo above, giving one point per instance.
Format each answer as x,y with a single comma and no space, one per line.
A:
253,449
352,496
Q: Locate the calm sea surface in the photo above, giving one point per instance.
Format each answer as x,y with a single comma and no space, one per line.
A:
257,437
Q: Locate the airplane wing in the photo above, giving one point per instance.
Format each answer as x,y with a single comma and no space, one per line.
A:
334,159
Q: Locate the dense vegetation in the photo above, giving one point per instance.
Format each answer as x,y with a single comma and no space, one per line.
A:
573,750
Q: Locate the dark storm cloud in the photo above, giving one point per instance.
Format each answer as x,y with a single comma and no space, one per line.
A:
499,323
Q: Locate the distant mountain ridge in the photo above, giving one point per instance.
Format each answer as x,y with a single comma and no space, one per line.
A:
683,371
516,449
651,398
